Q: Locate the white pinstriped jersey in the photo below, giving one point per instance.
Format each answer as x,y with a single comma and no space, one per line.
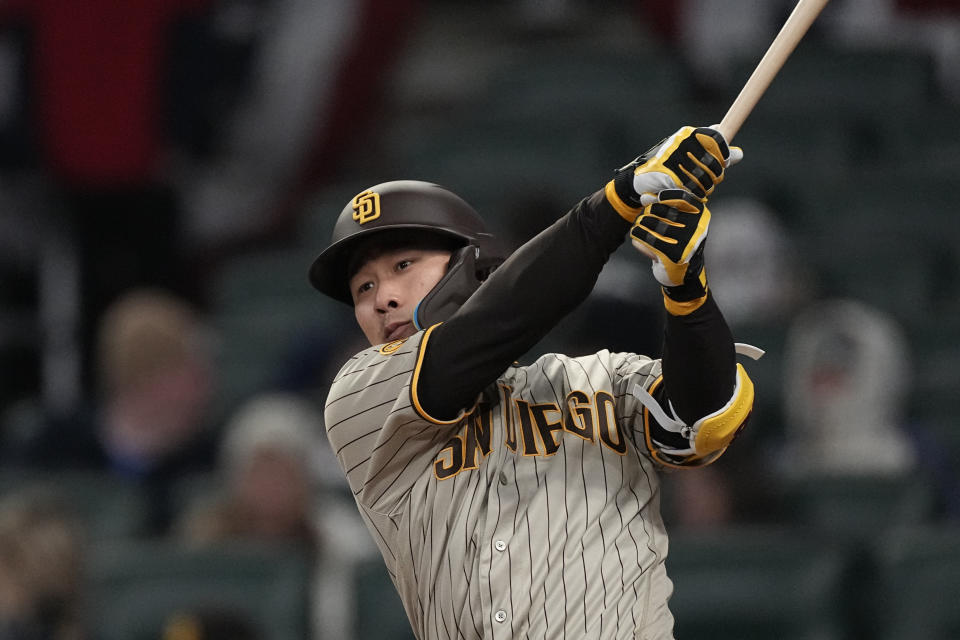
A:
535,515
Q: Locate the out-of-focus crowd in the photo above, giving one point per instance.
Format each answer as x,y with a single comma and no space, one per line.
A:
149,147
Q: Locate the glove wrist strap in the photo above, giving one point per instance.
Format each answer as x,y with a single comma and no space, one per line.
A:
623,208
690,295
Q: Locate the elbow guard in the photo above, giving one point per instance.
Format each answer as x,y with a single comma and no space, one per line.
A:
716,431
705,440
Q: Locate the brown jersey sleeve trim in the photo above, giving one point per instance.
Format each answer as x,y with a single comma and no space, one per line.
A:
415,381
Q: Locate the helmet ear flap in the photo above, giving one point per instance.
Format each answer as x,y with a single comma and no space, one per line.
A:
456,286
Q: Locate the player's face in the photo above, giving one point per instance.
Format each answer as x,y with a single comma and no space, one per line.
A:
387,288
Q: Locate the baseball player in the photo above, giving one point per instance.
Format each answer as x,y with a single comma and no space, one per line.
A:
522,500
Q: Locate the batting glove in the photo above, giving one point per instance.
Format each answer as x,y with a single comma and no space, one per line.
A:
671,231
693,159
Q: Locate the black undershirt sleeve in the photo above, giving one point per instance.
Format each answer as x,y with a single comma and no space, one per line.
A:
518,305
534,289
699,362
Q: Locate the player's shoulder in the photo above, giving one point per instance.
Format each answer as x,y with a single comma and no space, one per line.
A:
382,369
370,382
601,362
604,357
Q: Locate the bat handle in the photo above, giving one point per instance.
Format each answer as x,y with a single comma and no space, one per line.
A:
780,49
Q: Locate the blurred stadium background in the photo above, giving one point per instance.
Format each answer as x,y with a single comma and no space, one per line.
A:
258,121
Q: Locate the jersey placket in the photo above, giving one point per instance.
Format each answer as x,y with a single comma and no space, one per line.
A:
495,560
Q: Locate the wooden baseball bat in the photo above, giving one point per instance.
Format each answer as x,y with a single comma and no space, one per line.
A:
780,49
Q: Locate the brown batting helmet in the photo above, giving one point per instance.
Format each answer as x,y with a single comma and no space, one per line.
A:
416,206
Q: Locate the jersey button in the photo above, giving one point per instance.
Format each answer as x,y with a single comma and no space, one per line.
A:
500,616
500,545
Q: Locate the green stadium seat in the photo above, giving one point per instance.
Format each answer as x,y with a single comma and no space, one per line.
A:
136,587
379,613
753,583
265,275
106,506
855,508
918,584
819,79
263,309
593,80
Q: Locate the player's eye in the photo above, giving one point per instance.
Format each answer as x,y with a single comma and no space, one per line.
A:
403,264
366,286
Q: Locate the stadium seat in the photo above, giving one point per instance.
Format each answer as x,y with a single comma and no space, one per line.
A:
263,275
137,587
820,80
746,583
105,505
916,593
593,79
856,508
379,614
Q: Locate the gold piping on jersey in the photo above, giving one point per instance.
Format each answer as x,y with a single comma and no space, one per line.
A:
460,451
531,446
607,424
579,413
531,429
415,381
509,426
366,207
477,436
547,428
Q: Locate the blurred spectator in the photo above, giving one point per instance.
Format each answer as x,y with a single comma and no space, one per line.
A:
149,423
97,94
753,267
758,283
932,26
318,77
705,500
714,37
269,490
41,569
167,132
847,376
267,487
210,624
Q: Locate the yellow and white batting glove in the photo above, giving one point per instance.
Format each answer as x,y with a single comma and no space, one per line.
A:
671,231
693,159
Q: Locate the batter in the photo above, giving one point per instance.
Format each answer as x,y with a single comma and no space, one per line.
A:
522,500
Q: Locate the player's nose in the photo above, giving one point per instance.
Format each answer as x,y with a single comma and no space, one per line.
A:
388,297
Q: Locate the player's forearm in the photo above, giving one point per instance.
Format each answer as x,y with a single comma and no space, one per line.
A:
519,304
699,361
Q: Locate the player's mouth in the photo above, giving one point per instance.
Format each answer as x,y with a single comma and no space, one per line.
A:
398,330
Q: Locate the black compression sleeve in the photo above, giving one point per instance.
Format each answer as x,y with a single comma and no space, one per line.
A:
699,362
519,303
